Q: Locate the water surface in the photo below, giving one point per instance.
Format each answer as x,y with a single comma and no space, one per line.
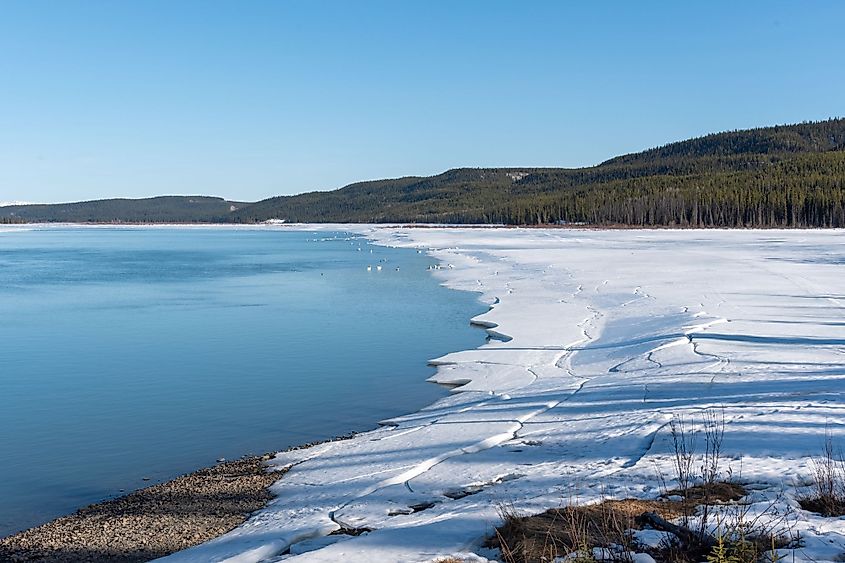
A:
145,353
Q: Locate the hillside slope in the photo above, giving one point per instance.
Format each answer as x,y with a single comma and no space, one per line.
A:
782,176
788,176
164,209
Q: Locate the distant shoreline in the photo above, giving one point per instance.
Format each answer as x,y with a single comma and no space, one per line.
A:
787,176
452,226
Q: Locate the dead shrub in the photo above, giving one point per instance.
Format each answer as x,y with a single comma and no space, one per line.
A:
574,529
827,492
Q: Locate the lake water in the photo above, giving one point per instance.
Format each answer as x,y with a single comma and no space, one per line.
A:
132,353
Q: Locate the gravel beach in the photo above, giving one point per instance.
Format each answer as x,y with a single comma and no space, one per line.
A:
151,522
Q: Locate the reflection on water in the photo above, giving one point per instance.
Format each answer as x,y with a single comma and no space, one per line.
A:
144,353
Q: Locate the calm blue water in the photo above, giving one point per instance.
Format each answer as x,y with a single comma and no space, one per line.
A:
132,353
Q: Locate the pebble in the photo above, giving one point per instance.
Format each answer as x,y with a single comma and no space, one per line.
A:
151,522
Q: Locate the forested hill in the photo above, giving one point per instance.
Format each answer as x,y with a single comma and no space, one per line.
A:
165,209
783,176
821,136
790,176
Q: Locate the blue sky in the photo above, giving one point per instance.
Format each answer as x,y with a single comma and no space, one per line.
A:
250,99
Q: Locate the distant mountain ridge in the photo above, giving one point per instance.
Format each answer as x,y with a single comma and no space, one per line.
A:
821,136
162,209
781,176
8,203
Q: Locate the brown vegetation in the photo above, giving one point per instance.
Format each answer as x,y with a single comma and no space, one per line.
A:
827,492
609,524
559,531
704,517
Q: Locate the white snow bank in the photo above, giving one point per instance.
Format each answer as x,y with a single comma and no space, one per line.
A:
612,333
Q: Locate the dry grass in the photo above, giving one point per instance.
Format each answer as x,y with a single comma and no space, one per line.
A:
578,529
703,516
557,532
827,493
714,493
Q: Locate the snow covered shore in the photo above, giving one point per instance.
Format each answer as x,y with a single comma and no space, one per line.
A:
601,338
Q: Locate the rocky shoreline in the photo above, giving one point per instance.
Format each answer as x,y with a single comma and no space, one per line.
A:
151,522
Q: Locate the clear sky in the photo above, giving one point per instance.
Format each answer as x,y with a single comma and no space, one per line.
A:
250,99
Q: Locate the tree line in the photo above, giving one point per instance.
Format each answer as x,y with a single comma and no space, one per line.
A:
782,176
